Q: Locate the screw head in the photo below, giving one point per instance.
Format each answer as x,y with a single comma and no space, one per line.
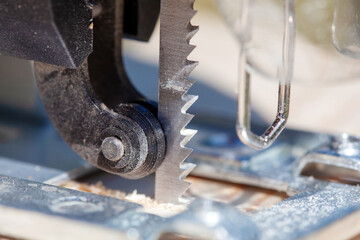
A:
346,145
112,148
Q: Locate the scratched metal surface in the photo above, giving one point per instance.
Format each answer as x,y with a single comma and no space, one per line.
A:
220,155
306,212
298,216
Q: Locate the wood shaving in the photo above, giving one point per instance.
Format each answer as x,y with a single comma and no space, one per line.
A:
150,205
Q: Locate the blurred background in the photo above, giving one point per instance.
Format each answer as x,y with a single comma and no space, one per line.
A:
325,90
326,86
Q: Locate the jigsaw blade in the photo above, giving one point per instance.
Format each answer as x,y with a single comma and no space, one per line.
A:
176,31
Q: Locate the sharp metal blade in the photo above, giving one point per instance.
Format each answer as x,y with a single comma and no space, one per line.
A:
175,34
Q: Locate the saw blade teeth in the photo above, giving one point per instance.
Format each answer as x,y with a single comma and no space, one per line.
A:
187,168
189,101
185,185
192,5
188,134
192,30
185,119
190,63
189,66
187,9
183,153
189,49
176,31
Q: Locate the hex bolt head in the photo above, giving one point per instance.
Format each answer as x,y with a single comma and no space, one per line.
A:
112,148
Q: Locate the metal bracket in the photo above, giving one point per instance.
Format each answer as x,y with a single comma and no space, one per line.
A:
96,101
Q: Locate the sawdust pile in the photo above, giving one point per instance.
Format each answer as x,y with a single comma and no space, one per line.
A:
150,205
